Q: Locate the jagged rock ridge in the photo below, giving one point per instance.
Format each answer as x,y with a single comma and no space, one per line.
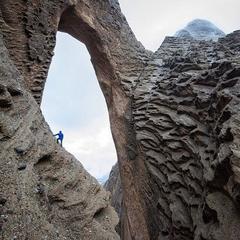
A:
174,116
201,30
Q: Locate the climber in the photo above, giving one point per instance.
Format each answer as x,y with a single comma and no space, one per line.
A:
60,137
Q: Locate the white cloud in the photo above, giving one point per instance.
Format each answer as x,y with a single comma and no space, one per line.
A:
92,145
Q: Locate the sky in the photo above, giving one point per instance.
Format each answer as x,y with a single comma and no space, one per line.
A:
152,20
73,101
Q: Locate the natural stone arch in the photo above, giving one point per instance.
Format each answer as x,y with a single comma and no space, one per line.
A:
109,50
117,58
164,109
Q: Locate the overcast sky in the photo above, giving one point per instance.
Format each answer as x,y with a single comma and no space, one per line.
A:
152,20
72,99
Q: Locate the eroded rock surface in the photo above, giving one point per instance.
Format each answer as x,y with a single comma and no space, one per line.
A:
186,107
45,192
174,117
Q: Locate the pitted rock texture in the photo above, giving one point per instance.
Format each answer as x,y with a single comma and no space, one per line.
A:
174,117
186,113
186,116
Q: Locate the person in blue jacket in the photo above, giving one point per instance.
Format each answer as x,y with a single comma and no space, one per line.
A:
60,137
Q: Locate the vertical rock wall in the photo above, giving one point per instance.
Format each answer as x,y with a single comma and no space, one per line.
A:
186,113
186,116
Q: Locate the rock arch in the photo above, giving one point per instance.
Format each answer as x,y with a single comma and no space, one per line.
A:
174,120
29,30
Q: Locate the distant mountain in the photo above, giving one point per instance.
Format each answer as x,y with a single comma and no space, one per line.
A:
103,179
201,30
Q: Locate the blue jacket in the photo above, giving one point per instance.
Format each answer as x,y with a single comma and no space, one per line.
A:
60,135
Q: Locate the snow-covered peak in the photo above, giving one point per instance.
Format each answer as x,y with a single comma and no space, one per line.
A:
201,30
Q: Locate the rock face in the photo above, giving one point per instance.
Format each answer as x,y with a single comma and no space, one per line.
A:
45,192
174,117
200,29
113,185
186,111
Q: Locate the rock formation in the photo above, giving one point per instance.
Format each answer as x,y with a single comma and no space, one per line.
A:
174,116
186,119
45,192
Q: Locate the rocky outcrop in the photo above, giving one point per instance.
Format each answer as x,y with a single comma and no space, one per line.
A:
45,192
185,119
113,185
201,29
174,118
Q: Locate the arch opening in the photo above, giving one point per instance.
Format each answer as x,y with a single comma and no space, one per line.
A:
73,102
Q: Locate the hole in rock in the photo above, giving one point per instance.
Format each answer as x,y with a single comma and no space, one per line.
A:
99,213
5,103
14,92
22,167
209,215
73,102
43,160
2,201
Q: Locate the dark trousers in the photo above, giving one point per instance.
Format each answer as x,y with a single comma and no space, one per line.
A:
59,141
